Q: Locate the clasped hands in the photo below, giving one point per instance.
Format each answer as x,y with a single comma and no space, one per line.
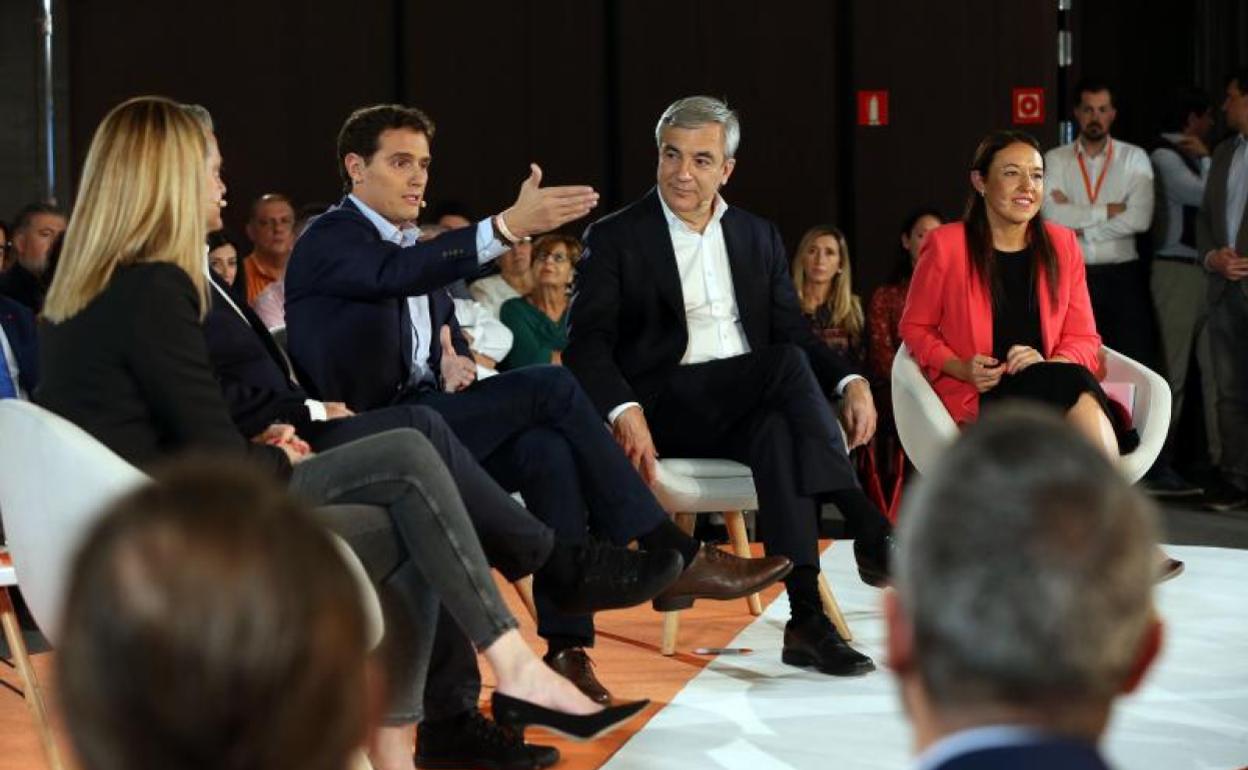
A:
985,372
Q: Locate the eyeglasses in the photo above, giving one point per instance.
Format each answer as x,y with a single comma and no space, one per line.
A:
557,257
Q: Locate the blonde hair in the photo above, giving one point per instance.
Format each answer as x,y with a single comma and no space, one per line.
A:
844,307
141,199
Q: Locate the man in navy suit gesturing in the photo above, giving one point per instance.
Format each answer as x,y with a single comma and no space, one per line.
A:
370,324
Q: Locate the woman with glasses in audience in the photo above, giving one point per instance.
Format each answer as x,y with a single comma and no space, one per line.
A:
124,357
539,320
824,283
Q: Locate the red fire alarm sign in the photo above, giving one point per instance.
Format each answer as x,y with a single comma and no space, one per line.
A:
873,108
1028,105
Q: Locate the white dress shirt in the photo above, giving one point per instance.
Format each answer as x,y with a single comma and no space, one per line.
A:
1182,187
1236,190
1128,179
488,248
492,291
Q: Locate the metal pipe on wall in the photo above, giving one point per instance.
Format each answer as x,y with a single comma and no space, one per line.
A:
1065,57
48,117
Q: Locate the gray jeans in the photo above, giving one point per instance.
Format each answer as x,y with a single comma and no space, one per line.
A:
396,505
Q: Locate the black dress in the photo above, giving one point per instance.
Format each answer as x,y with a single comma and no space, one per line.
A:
1016,321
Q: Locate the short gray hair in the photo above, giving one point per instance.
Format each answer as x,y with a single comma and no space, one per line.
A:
1025,568
697,111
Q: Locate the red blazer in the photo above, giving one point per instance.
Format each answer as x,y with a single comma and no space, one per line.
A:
948,313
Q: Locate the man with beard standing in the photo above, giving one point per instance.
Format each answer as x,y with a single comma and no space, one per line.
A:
1102,188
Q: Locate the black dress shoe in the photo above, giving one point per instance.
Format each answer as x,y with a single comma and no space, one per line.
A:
608,577
470,741
574,665
874,559
518,714
717,574
813,642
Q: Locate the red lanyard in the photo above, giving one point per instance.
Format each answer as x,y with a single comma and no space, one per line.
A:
1100,178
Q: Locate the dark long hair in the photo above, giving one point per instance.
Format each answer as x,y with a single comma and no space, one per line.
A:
979,234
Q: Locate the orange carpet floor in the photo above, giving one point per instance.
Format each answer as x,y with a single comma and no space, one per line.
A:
626,656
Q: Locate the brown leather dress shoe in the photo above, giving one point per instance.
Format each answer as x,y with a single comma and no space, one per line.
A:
717,574
574,665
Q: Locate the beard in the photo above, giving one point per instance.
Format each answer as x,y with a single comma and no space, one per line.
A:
1092,132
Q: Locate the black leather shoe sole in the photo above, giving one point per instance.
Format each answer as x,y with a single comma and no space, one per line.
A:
806,660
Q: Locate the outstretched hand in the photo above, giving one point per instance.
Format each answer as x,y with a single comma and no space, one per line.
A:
541,209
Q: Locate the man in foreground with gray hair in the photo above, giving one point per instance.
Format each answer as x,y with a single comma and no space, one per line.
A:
1023,599
687,334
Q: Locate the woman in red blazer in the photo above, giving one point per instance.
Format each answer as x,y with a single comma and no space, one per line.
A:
998,307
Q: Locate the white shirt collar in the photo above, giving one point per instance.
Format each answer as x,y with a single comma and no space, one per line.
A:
1079,149
385,228
674,222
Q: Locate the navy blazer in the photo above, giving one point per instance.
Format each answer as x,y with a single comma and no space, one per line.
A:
627,326
346,293
19,328
252,370
1041,755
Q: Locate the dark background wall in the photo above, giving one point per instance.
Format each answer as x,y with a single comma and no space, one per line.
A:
578,84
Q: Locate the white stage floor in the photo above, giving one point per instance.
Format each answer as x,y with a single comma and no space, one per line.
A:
754,713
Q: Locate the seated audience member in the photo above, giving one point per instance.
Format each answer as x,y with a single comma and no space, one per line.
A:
123,357
223,257
998,308
687,335
821,275
887,302
488,338
35,230
270,303
514,279
360,273
271,230
234,636
451,215
539,320
1024,603
19,369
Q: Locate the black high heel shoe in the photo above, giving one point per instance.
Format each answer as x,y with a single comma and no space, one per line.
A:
518,714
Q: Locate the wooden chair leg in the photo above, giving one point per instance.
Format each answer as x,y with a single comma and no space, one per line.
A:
30,684
671,620
524,589
735,522
833,609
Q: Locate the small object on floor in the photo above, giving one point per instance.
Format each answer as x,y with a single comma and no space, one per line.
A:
1167,568
1165,482
471,740
717,574
574,664
813,642
518,714
722,651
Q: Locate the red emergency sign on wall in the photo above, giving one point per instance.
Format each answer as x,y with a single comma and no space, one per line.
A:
1028,105
873,108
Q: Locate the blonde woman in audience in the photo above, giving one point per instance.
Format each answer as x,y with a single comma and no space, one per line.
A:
821,275
539,320
124,357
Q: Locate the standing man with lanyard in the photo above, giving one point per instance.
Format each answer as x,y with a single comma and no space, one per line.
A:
1102,188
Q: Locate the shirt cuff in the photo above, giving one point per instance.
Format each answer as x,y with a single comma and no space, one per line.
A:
488,247
840,386
619,410
316,410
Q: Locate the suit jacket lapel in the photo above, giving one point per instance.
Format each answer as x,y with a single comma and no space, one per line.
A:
657,243
736,243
